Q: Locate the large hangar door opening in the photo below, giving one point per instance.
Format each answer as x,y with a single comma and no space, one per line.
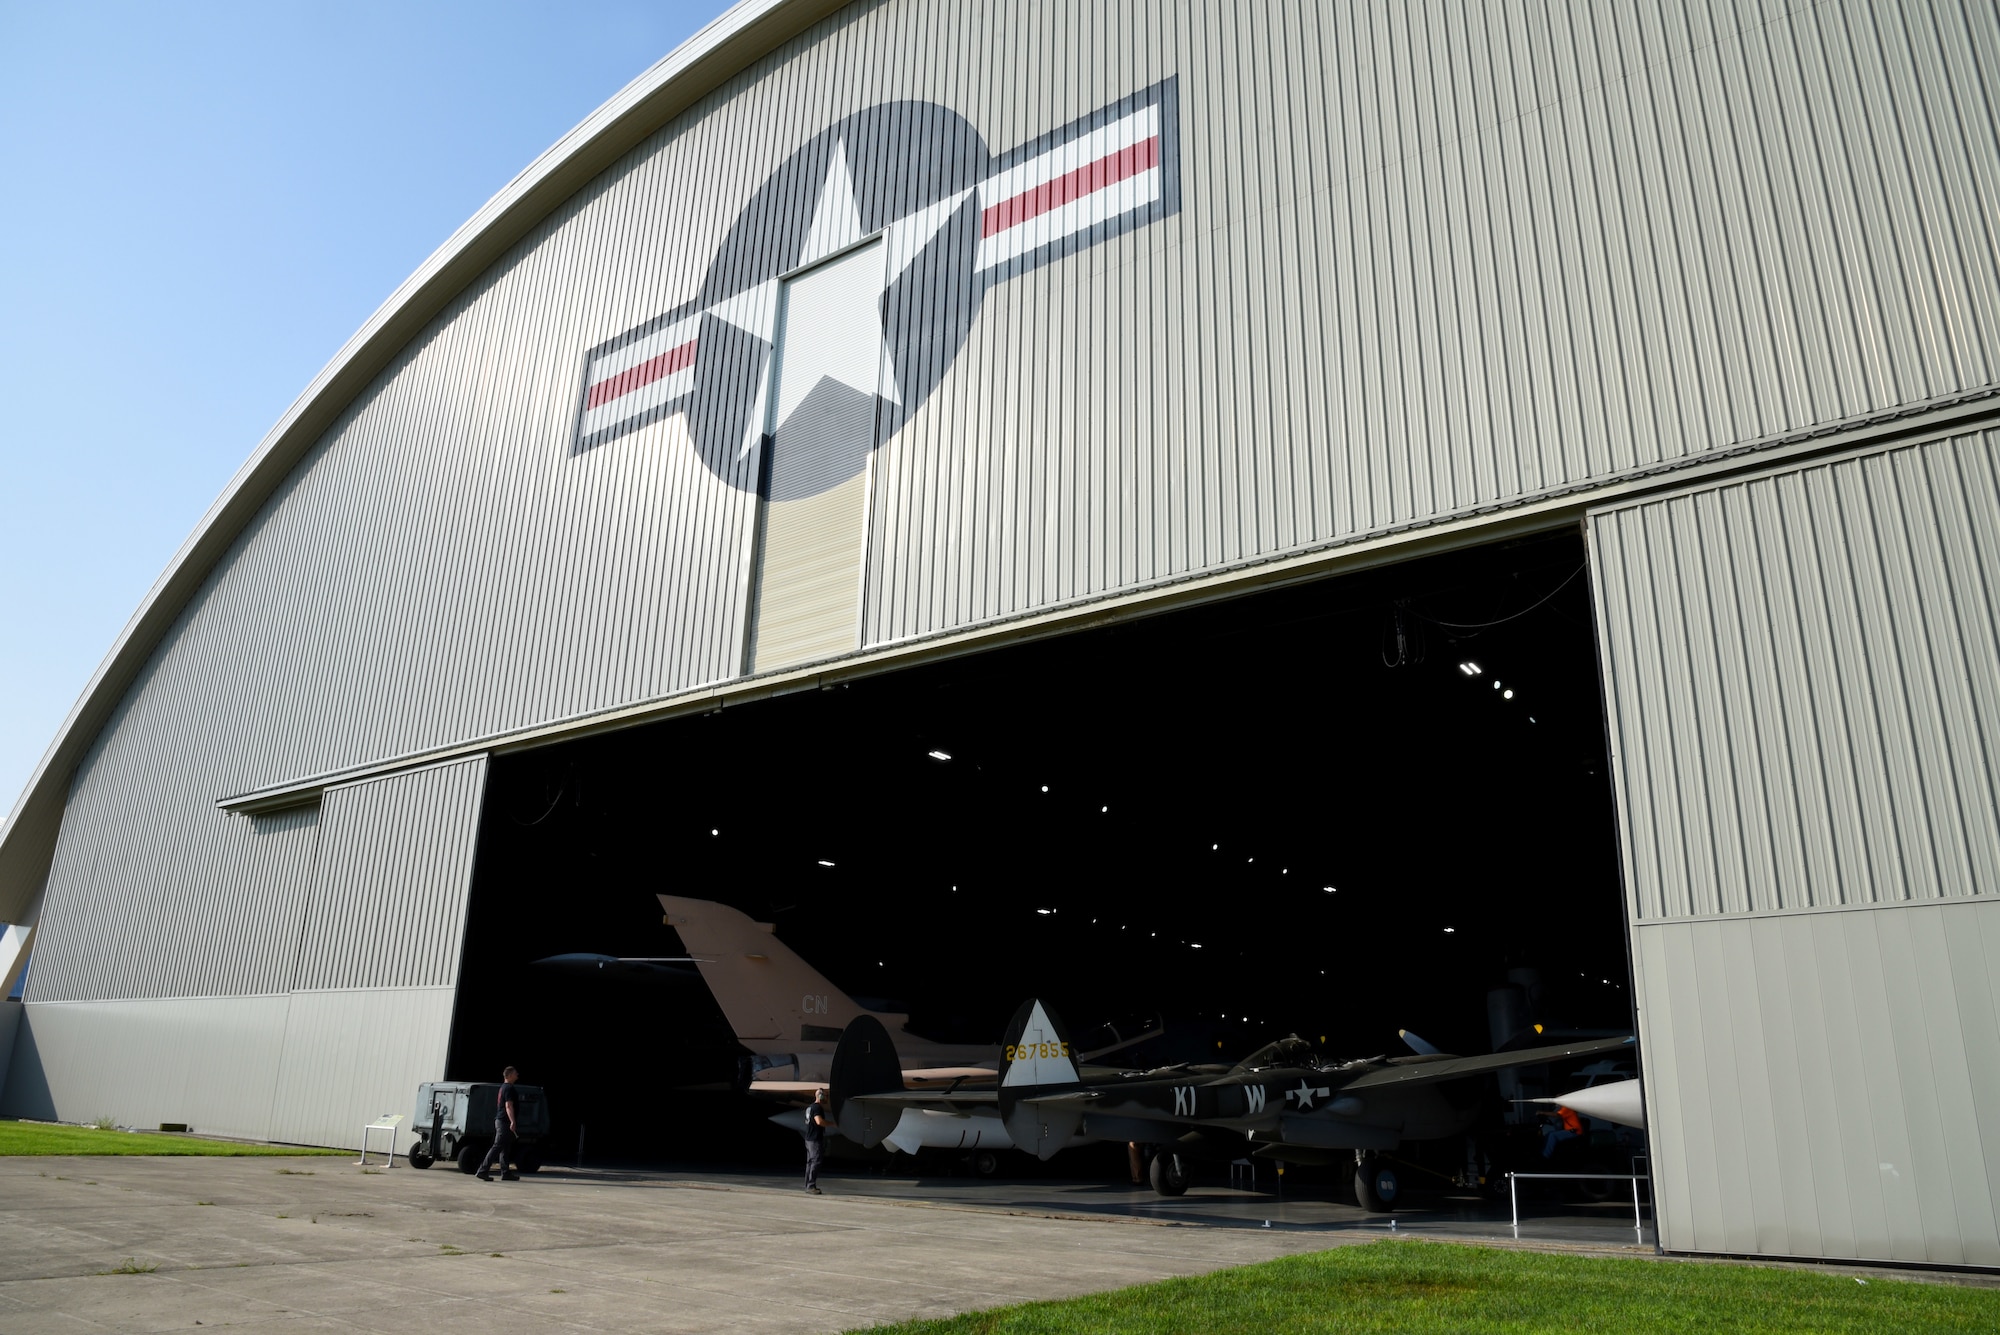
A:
1367,804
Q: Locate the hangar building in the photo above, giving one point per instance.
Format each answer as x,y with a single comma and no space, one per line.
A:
1076,364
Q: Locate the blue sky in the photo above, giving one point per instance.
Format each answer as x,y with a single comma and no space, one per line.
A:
203,202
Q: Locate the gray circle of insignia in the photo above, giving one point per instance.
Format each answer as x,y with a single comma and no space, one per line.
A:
903,157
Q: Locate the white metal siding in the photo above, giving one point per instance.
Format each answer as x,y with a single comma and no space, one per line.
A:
352,1056
119,926
1803,673
311,1069
1803,687
395,872
211,1062
1824,1083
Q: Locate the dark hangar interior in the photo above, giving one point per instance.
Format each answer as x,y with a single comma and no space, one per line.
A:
1339,808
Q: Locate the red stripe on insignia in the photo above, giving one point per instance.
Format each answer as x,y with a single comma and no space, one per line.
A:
645,373
1086,180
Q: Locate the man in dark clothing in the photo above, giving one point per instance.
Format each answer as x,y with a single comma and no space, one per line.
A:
815,1139
506,1130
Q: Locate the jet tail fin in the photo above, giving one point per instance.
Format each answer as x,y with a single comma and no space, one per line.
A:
1036,1059
775,1001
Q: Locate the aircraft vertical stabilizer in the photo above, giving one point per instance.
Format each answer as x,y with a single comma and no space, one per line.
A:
774,1000
1036,1059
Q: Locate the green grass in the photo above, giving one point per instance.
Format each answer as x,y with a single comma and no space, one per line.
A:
1411,1287
44,1138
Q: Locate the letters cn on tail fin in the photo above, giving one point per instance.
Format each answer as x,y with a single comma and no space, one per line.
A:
1038,1068
775,1002
865,1063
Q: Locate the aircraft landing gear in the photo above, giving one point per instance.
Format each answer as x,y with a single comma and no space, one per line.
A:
1374,1184
985,1163
1170,1174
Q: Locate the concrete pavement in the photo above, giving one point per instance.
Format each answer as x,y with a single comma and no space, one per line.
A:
293,1245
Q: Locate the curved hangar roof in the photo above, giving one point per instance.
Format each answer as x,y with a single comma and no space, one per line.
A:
1454,342
723,48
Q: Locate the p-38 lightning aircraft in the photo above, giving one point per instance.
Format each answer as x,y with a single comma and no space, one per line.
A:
1283,1102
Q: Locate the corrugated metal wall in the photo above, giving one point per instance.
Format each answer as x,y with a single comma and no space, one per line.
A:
210,1062
366,961
1804,679
395,871
1422,260
1823,1083
1803,688
350,1057
230,929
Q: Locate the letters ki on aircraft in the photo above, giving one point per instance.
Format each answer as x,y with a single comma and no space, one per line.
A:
1283,1102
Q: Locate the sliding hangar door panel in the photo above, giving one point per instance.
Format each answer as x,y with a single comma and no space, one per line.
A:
1802,678
379,951
826,375
373,893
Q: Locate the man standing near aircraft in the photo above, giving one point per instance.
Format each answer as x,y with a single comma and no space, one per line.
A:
506,1130
815,1139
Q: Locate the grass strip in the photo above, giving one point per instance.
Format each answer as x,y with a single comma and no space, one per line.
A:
1413,1287
23,1138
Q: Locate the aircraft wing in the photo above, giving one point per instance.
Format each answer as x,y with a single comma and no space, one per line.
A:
920,1098
915,1079
1454,1068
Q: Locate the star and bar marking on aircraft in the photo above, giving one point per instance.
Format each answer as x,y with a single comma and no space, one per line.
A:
1306,1093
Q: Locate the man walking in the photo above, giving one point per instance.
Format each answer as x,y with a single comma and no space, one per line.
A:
506,1129
815,1139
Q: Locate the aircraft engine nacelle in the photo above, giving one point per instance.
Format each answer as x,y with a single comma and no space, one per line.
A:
935,1129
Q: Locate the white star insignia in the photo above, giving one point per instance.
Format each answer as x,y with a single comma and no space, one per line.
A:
1305,1094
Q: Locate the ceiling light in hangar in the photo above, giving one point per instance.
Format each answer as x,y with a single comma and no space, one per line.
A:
941,755
1470,668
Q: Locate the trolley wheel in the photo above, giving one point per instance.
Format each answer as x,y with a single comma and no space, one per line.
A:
421,1157
1170,1174
1375,1185
469,1156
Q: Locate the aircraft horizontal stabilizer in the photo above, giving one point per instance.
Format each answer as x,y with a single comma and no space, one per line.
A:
1419,1072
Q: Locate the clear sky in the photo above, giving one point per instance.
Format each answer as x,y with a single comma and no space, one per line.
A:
201,203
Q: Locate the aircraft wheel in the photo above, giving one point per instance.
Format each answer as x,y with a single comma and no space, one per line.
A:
529,1161
985,1163
469,1157
420,1157
1170,1174
1375,1185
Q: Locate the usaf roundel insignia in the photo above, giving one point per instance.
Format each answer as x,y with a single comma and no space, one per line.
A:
952,220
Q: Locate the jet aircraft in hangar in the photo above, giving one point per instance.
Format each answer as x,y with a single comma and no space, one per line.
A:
791,1017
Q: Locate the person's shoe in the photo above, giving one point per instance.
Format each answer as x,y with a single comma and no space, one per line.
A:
815,1191
484,1177
510,1177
